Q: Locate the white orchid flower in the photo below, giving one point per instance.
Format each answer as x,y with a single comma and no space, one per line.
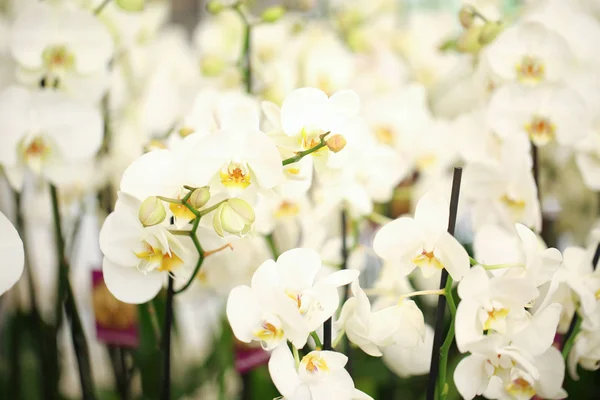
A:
45,132
410,361
529,53
62,46
544,114
320,375
503,192
307,113
489,304
284,295
239,160
519,250
11,247
423,241
402,323
137,258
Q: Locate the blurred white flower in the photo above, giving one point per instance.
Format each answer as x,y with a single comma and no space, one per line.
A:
372,331
44,131
423,241
543,114
11,247
529,53
137,259
60,46
320,375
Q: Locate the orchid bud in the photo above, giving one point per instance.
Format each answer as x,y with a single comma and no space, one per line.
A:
336,143
200,197
214,7
131,5
490,31
235,216
272,14
469,42
152,211
466,16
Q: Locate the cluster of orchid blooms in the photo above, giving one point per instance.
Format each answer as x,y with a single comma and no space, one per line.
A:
237,159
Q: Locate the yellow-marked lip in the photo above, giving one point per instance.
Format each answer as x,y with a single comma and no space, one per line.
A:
530,70
236,175
314,363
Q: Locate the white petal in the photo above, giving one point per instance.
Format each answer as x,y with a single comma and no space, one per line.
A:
243,313
345,103
15,103
283,371
298,268
264,159
467,326
453,256
11,248
469,376
129,285
341,278
398,239
153,174
432,213
539,334
338,386
303,108
552,374
121,236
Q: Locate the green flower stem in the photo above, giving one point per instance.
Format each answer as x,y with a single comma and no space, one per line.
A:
46,370
301,154
211,208
296,355
338,338
445,349
318,343
99,9
272,247
170,200
66,297
571,339
490,267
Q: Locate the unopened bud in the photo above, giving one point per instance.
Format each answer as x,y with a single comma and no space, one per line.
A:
466,16
200,197
131,5
336,143
490,31
469,40
152,211
235,217
273,14
214,7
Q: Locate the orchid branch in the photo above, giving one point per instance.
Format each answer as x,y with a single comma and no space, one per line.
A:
66,297
439,356
99,9
301,154
317,340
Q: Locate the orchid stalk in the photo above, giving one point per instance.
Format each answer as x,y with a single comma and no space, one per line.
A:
439,359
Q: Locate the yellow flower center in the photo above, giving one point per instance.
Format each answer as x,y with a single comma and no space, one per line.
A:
181,211
269,332
183,132
384,134
165,262
58,58
516,206
520,389
313,363
540,130
426,161
495,316
35,152
236,175
296,297
530,70
287,209
427,259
